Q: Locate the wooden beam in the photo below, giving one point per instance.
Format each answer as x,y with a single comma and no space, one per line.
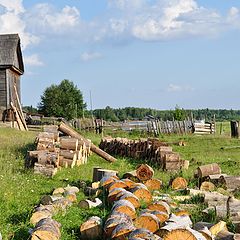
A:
71,132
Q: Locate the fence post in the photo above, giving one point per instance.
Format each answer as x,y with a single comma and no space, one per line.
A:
235,129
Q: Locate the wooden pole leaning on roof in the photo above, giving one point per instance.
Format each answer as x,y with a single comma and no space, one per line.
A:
71,132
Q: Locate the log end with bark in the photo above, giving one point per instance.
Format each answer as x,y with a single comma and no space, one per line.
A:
144,172
92,228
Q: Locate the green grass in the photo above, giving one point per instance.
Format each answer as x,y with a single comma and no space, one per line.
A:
21,190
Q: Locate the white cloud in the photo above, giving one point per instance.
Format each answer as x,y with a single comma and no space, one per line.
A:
177,18
33,60
178,88
127,4
13,5
45,18
233,18
89,56
123,21
11,21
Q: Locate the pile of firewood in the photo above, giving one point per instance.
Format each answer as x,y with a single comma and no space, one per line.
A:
45,228
155,152
53,152
140,211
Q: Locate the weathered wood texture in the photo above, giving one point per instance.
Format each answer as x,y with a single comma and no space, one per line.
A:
11,67
46,229
92,228
209,169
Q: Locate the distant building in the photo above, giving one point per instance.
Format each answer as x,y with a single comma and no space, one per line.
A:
11,68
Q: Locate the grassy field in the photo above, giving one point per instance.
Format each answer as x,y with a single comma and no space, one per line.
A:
21,190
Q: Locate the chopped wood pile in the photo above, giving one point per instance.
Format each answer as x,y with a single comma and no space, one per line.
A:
53,152
45,228
155,152
140,211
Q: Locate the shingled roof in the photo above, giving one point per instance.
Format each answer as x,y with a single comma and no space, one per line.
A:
10,52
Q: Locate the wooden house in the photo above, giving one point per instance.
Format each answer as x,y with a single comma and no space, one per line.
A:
11,69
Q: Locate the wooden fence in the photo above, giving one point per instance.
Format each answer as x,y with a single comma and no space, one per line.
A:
169,127
158,127
153,126
204,128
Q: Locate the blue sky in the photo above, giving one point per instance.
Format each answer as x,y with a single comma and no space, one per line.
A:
143,53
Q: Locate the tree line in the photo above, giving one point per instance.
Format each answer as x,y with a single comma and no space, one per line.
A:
133,113
66,100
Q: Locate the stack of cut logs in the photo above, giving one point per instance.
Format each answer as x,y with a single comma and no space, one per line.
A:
53,151
155,152
137,213
45,228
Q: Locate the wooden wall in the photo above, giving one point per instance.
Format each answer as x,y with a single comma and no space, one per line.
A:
12,79
3,91
8,78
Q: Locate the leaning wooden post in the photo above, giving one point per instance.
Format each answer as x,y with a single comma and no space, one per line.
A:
69,131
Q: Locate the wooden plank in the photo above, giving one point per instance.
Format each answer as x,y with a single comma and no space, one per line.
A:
19,122
20,109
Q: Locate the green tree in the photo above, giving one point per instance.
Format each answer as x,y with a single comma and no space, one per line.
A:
63,100
179,114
